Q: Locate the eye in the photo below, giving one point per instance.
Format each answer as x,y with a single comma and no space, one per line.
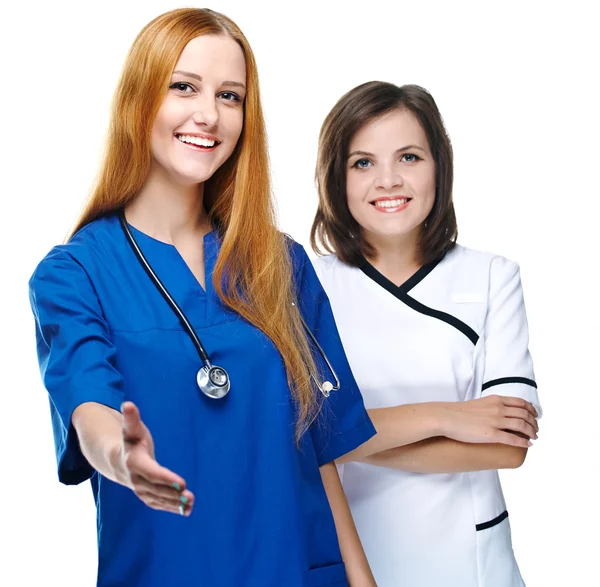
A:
230,96
182,87
362,164
410,158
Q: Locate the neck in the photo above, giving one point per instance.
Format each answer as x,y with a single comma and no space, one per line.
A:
396,257
167,211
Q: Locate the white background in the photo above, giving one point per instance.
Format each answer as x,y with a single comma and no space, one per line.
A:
516,84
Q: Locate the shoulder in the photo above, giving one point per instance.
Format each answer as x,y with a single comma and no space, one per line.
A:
81,252
331,269
325,264
301,260
474,264
298,258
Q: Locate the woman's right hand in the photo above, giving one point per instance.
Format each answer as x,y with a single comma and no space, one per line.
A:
156,486
494,418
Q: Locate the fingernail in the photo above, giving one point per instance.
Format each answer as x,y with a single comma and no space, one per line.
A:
177,486
181,510
183,499
529,443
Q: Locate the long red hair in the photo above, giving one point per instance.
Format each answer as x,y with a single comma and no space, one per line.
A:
253,273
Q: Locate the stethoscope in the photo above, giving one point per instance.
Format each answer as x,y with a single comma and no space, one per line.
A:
212,380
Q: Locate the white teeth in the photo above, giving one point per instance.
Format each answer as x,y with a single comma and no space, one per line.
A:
391,203
201,142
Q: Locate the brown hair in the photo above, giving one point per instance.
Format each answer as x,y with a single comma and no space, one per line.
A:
253,274
334,229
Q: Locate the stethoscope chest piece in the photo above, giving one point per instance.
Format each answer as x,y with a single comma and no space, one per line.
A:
213,381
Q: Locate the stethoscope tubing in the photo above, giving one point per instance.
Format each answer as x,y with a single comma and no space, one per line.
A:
165,293
188,327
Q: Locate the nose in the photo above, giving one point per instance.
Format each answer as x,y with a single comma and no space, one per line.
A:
205,111
389,177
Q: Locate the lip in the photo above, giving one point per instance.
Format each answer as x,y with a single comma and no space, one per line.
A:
388,199
197,148
199,135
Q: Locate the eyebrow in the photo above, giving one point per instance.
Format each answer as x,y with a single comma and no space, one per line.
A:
367,154
199,78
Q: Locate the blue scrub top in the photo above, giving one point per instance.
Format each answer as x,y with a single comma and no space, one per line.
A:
105,334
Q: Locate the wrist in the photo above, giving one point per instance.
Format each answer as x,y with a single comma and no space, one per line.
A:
439,419
115,459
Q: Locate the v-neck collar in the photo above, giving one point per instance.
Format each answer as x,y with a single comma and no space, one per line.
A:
401,292
210,251
416,278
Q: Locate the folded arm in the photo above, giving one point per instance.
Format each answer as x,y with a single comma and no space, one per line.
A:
487,433
445,455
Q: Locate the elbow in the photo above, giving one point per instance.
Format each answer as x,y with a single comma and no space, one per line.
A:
515,457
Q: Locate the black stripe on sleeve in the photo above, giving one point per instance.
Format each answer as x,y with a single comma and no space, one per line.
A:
493,522
504,380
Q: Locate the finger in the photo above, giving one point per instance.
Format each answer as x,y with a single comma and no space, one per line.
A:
523,415
167,505
519,402
141,463
160,504
133,429
504,437
142,486
518,425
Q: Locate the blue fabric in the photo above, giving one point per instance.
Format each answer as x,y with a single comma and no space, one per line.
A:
105,334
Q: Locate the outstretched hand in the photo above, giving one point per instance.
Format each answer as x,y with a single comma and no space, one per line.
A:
156,486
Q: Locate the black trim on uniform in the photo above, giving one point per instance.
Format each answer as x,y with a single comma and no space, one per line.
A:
493,522
419,276
503,380
402,295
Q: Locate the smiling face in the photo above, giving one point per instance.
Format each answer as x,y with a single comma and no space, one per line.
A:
201,118
390,178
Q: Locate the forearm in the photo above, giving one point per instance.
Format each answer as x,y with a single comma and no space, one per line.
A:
444,455
399,426
357,568
99,432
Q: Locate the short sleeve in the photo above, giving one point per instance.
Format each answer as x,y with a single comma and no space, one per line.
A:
508,368
343,423
75,353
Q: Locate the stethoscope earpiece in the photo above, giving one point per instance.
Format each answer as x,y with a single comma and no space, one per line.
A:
326,388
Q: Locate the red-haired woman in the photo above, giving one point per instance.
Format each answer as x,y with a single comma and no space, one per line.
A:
175,267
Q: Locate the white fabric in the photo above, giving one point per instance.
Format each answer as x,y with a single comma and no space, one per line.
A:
419,530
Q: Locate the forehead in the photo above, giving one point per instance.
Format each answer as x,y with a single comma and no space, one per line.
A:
396,128
215,56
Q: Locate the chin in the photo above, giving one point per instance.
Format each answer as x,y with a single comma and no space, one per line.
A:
398,232
187,177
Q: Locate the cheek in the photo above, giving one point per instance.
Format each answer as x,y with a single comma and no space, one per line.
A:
355,188
232,122
431,191
158,142
427,189
162,130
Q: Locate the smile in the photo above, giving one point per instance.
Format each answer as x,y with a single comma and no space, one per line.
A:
198,143
389,205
